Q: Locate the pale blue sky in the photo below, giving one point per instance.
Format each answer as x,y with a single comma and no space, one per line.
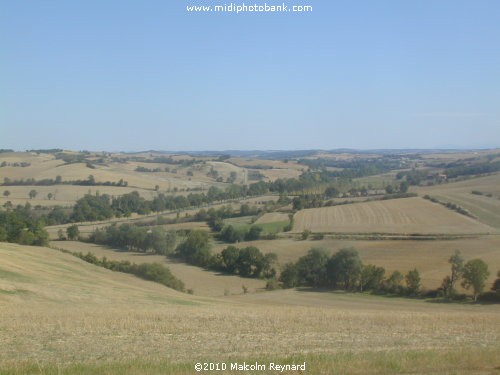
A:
135,75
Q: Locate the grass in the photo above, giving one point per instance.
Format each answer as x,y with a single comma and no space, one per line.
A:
82,319
459,361
486,209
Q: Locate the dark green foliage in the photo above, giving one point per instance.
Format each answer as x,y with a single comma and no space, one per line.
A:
195,249
230,256
457,267
394,283
250,262
92,208
149,271
253,233
344,269
133,238
412,279
21,226
289,276
72,232
371,277
311,268
475,273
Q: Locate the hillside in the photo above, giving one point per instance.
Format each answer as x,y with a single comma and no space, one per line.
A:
41,275
57,310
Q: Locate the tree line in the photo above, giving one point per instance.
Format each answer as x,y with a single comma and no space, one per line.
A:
344,270
156,272
90,181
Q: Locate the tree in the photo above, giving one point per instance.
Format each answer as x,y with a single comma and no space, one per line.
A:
457,267
73,232
60,235
49,196
496,285
413,281
289,276
230,257
331,192
6,193
311,268
393,283
33,193
196,248
403,186
305,234
371,277
344,269
253,233
474,276
250,262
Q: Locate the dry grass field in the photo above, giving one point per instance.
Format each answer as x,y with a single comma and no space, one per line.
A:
60,313
485,208
404,216
429,257
202,282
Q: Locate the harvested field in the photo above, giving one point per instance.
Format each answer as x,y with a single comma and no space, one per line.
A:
60,310
404,216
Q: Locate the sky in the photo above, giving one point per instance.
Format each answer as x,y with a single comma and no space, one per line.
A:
149,75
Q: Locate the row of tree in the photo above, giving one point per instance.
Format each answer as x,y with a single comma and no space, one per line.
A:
130,237
344,270
90,181
156,272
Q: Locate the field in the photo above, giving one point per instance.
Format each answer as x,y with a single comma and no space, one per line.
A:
485,208
402,216
58,311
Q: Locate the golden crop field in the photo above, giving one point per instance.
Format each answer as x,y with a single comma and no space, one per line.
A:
404,216
58,310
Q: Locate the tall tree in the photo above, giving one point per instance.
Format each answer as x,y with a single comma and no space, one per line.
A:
457,268
344,269
474,276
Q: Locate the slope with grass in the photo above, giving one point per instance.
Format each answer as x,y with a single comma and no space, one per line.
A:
201,282
485,206
62,315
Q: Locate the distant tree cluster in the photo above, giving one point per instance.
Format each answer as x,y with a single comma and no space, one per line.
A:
247,262
21,226
344,270
133,238
15,164
90,181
